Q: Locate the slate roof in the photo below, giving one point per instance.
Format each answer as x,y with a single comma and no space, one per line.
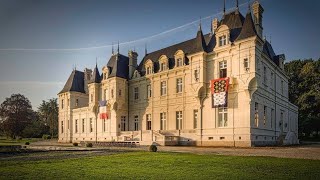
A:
75,83
234,20
96,77
118,66
248,29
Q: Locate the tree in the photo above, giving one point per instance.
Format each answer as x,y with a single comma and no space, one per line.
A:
48,112
15,113
36,128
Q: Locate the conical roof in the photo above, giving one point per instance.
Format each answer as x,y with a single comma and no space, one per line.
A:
75,83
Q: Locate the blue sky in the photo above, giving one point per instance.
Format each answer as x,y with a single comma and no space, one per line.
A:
59,24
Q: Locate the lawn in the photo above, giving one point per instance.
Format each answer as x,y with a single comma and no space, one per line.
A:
9,142
160,165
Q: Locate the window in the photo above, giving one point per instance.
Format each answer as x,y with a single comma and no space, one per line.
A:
256,114
120,92
179,85
222,117
222,40
196,74
223,69
123,123
61,126
265,76
179,120
246,64
62,104
149,91
163,66
179,62
272,114
264,115
281,86
163,121
112,95
136,93
163,88
91,125
76,124
77,102
271,80
148,121
91,98
149,70
83,125
195,118
281,120
136,123
104,125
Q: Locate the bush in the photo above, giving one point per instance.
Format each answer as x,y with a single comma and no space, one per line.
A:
75,144
46,136
27,143
89,145
153,148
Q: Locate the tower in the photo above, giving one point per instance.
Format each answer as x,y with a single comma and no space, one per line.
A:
133,56
257,13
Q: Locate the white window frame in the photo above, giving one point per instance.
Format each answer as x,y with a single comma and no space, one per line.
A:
163,121
83,125
136,93
91,125
195,118
136,123
149,91
223,40
179,119
179,85
123,123
256,114
149,120
163,66
163,90
222,117
246,64
223,66
179,62
76,126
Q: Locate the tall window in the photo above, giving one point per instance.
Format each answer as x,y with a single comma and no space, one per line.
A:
195,118
282,87
222,40
149,70
91,125
104,125
91,97
196,74
149,91
272,114
179,62
148,121
123,123
163,66
112,95
256,114
136,123
265,76
76,124
179,85
120,92
179,120
223,69
281,120
163,121
246,64
136,93
61,126
222,117
163,88
271,80
83,125
77,102
62,104
264,115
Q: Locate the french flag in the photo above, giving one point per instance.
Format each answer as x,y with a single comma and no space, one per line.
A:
103,110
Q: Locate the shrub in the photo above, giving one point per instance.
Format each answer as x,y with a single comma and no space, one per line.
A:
153,148
46,136
89,145
75,144
27,143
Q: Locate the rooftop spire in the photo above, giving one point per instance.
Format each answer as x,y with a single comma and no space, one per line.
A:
118,48
224,7
237,6
145,49
112,49
96,62
200,29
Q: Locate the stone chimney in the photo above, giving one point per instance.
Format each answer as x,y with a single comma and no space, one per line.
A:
215,23
87,77
133,56
257,13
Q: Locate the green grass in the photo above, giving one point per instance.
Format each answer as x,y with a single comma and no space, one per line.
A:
9,142
146,165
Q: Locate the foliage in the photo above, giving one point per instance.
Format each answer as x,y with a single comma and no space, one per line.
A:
153,148
75,144
46,136
304,91
15,114
36,128
48,113
89,145
146,165
27,143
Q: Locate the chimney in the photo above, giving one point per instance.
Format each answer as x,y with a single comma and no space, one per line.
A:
257,13
87,77
133,56
215,23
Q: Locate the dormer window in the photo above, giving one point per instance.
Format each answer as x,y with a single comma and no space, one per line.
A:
163,66
222,40
179,62
196,75
149,70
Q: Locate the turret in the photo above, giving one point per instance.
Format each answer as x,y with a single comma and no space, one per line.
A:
257,13
132,62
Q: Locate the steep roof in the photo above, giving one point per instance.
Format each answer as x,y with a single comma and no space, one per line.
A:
234,20
118,65
248,29
75,83
268,50
96,77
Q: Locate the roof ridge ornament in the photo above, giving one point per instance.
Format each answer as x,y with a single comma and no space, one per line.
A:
112,49
224,7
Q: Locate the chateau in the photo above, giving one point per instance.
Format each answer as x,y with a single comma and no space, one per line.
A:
225,88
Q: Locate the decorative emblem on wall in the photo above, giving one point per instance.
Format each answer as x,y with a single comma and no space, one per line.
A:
219,92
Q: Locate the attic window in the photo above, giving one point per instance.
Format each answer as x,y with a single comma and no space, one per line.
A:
222,40
179,62
149,70
163,66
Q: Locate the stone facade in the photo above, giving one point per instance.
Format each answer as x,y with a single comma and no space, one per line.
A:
166,99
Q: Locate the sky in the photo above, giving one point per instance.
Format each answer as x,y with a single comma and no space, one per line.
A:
41,41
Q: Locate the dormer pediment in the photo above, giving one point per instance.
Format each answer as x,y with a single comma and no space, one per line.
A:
136,74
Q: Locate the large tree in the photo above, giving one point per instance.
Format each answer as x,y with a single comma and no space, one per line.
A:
48,111
15,113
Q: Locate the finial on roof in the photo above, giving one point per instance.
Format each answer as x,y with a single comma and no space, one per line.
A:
200,29
75,67
224,7
237,4
112,49
118,47
211,29
145,49
96,62
270,39
248,5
